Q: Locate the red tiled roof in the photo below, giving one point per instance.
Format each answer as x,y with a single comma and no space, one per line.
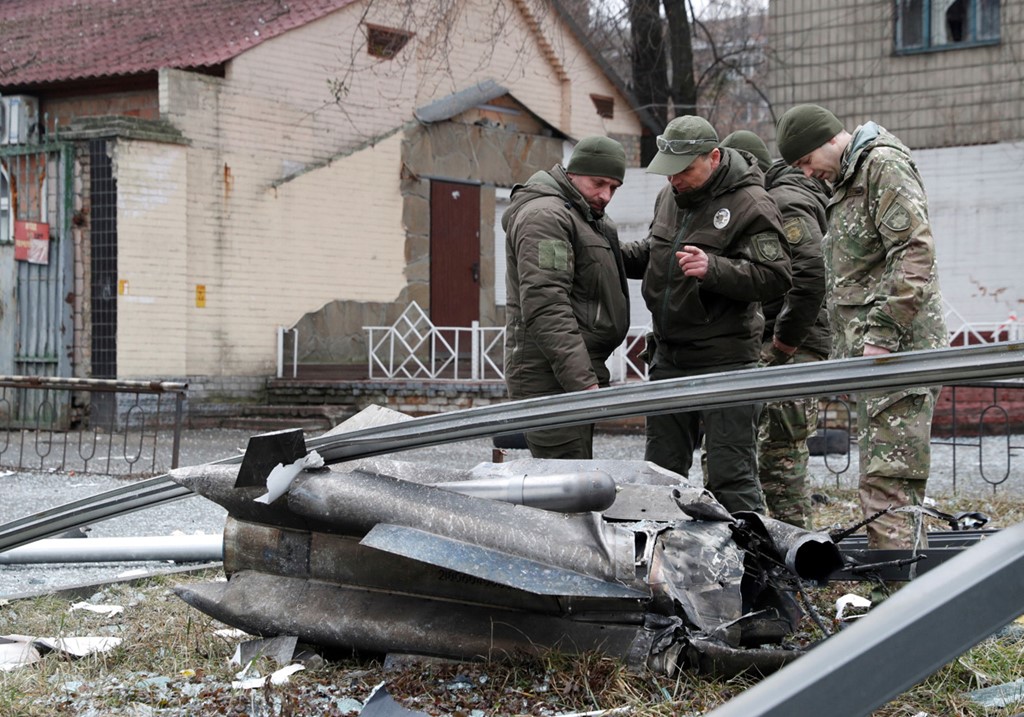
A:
43,41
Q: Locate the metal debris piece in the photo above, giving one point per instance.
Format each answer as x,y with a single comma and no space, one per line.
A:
381,704
379,556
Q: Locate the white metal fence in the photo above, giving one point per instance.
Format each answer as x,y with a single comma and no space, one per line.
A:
413,348
964,333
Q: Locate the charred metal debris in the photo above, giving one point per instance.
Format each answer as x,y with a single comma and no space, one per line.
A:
382,556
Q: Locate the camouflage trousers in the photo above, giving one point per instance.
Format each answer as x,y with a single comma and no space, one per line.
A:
782,433
893,435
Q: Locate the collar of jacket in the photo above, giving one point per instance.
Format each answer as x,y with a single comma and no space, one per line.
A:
863,139
781,173
734,170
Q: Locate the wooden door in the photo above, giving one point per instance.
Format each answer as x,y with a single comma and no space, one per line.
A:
454,253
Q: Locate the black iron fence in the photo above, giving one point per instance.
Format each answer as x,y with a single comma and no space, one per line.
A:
977,432
103,426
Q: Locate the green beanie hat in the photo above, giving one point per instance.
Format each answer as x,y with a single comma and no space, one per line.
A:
749,142
598,157
804,128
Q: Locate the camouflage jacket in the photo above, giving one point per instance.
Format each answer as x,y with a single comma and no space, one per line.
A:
799,318
715,320
881,278
567,306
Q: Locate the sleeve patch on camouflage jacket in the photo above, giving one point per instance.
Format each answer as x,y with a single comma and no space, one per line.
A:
899,216
553,254
796,230
767,246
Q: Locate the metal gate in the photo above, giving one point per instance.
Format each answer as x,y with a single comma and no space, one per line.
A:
36,276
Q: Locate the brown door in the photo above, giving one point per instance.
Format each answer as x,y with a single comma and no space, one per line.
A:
454,253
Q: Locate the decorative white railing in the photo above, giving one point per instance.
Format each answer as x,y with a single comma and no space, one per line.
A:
413,348
625,363
965,333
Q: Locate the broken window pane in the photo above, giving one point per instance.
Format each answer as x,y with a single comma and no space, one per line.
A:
925,24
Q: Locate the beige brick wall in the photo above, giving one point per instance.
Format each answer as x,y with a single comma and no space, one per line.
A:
293,199
152,259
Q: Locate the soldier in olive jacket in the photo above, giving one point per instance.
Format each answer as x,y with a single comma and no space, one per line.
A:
713,253
567,306
882,293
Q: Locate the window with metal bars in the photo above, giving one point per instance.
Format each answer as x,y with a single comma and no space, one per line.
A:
103,244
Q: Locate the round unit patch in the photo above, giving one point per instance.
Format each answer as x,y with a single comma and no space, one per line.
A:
722,217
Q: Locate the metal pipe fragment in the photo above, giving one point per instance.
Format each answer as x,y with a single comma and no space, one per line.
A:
568,493
177,548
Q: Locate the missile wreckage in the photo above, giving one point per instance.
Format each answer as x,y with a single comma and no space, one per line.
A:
504,559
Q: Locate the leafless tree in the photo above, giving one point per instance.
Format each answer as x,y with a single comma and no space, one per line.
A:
675,56
686,58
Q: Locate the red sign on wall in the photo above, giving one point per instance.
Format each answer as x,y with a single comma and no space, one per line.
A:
32,242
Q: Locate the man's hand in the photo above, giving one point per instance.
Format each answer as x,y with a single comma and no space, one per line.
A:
776,353
872,350
693,261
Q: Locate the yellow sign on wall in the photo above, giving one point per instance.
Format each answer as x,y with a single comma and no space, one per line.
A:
200,296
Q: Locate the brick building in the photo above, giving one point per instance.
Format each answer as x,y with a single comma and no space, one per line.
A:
211,170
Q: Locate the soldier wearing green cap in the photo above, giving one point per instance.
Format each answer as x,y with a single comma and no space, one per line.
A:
882,295
713,253
795,331
567,306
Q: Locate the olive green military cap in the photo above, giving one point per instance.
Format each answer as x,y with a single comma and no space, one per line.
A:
684,139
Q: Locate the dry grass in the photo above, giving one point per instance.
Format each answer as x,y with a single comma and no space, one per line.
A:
172,663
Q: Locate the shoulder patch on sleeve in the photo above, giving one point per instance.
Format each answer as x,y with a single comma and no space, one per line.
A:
553,254
767,246
898,217
796,230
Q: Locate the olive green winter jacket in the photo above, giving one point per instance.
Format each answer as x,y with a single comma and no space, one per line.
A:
799,318
715,320
567,305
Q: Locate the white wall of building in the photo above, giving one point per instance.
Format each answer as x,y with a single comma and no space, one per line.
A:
977,211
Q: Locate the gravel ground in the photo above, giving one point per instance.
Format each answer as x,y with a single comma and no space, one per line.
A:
28,493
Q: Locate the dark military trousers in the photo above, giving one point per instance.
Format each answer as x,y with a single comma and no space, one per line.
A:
567,442
730,442
537,379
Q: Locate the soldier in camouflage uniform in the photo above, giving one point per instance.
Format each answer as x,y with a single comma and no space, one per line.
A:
882,293
795,331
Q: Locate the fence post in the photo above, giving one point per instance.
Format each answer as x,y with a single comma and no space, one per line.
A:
179,399
475,343
295,352
280,352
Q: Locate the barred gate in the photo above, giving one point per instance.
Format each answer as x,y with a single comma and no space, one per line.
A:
36,274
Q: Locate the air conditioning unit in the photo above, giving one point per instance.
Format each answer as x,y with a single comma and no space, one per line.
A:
19,119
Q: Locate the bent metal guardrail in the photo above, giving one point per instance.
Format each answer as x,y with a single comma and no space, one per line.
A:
917,368
124,427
